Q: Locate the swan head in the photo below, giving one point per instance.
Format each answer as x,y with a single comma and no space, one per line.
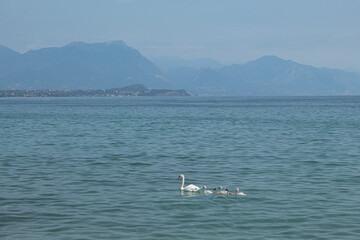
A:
181,176
237,190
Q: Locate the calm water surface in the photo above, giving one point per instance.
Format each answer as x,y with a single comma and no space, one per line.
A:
106,168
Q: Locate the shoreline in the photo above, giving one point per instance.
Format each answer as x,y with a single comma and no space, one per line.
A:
114,92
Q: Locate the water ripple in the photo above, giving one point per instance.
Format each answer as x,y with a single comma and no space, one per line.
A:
107,168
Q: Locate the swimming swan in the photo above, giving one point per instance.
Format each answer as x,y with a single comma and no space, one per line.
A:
239,193
188,188
221,191
228,192
206,191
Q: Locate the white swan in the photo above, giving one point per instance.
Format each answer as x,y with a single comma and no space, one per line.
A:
221,191
239,193
206,191
188,188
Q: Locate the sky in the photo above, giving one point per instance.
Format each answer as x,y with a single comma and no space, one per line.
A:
322,33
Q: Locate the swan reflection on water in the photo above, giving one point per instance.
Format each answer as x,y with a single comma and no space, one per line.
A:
186,194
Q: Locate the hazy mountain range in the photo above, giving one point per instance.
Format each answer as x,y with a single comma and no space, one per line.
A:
78,66
268,75
114,64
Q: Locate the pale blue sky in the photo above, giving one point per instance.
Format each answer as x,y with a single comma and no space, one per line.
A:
315,32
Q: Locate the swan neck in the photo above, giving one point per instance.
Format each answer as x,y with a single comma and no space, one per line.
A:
183,181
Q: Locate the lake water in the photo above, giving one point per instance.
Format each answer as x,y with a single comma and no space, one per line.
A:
107,168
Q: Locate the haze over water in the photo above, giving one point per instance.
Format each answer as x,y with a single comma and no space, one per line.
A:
106,168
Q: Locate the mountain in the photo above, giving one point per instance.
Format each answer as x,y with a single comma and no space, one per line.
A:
8,60
171,63
112,65
268,75
78,65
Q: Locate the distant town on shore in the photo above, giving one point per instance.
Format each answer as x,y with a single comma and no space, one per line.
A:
132,90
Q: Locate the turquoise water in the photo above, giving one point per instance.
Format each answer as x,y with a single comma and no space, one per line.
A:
107,168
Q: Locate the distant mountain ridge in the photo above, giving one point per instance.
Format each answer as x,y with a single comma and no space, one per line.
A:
110,65
79,65
268,75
